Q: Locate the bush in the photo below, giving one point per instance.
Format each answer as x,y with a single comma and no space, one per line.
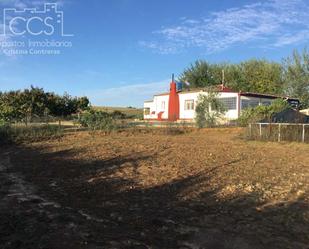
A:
250,115
256,114
118,115
206,117
97,120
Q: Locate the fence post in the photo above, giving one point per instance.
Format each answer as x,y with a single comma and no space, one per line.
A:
303,135
260,130
279,133
250,130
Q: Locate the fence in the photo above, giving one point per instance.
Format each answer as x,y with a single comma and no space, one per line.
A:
279,132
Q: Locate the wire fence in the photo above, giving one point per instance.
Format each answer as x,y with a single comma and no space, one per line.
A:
279,132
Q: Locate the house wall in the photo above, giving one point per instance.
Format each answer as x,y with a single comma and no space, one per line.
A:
187,114
242,102
152,108
158,107
190,114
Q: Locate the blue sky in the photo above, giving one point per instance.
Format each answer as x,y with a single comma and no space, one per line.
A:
124,51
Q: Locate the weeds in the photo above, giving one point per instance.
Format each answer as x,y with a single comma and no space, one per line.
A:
22,133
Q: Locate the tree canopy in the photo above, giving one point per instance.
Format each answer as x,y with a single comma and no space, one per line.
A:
291,77
296,74
23,105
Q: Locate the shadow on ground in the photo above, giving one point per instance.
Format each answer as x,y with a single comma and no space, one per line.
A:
97,208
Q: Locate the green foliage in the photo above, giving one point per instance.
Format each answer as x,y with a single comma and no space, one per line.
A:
118,115
208,109
253,115
98,120
290,77
200,74
26,104
260,76
296,73
249,76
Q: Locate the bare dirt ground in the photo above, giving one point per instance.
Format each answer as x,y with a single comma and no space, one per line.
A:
204,189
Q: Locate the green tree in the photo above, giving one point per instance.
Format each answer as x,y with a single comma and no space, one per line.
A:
248,76
296,75
23,105
208,109
201,74
261,76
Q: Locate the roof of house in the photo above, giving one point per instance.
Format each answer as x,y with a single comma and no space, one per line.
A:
265,95
222,88
219,88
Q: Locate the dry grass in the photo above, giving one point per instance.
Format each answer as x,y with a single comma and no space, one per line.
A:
127,111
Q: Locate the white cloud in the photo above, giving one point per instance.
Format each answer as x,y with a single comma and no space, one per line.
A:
272,23
129,95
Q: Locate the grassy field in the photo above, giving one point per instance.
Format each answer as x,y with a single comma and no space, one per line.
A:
126,110
146,189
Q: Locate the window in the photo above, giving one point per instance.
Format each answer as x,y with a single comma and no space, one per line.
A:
189,104
246,103
266,102
147,111
229,103
163,105
254,103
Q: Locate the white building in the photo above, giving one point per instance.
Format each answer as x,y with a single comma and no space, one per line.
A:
161,108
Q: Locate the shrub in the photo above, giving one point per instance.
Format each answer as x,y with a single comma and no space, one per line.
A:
118,115
253,115
97,120
208,109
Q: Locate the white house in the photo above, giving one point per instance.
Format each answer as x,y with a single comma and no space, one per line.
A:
180,105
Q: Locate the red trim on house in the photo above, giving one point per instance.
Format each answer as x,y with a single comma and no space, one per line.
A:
224,89
160,116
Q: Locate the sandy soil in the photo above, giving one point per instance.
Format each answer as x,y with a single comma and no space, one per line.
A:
203,189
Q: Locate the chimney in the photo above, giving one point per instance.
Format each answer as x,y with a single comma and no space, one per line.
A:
173,103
